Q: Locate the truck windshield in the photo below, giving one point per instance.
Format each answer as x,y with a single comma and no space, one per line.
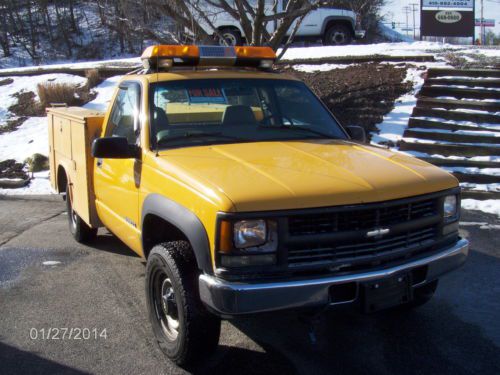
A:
209,111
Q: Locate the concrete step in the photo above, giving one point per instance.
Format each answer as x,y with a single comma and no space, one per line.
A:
477,178
440,72
427,102
456,115
447,149
478,82
459,93
480,195
419,123
452,137
461,162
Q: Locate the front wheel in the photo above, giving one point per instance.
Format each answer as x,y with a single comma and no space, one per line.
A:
184,329
231,37
337,35
79,229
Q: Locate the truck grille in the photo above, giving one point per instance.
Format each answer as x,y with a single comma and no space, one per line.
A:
358,219
338,240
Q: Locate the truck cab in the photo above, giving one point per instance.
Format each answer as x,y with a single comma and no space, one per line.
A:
244,194
332,25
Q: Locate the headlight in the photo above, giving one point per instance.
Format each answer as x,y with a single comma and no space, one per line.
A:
450,207
250,233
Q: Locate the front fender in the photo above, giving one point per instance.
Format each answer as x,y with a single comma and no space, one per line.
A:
184,220
338,18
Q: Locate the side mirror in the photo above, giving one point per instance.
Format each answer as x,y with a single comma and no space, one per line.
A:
357,133
114,148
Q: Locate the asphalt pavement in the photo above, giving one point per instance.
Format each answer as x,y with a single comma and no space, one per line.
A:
96,294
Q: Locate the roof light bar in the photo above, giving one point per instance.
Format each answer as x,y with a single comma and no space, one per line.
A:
166,56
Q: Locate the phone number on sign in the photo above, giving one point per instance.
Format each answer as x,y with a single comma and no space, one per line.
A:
54,333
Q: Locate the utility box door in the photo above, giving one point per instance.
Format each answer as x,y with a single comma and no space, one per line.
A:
71,133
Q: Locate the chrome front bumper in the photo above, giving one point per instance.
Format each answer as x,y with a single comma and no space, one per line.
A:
359,34
233,298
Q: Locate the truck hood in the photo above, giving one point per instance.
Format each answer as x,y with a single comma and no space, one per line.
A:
300,174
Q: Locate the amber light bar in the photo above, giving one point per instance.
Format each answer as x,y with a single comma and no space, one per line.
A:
166,56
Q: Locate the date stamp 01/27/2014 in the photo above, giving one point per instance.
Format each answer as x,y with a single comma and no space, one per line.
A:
68,333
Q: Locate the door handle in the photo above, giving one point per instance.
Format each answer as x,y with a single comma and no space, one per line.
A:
99,163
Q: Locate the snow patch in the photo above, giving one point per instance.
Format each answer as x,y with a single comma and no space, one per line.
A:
311,68
491,206
104,94
31,137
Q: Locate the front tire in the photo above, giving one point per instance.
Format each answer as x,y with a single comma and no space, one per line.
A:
337,35
184,329
79,229
231,37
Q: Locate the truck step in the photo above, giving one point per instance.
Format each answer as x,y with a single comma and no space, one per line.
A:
447,149
428,102
452,137
456,115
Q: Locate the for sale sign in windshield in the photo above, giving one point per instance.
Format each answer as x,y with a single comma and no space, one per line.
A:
450,4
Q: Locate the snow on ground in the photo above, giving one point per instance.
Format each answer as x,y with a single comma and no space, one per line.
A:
31,137
419,154
481,187
434,141
483,133
386,49
104,94
135,61
311,68
491,206
485,125
474,170
29,83
40,185
395,122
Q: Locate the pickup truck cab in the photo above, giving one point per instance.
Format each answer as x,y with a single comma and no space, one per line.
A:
245,195
332,25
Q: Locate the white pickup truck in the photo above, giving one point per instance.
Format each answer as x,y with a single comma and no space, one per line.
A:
334,26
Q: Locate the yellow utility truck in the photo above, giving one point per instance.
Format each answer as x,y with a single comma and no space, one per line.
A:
245,195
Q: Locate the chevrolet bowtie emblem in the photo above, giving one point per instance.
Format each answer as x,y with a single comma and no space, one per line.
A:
378,232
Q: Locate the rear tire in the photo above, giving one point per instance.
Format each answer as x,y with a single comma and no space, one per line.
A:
79,229
337,35
184,329
231,36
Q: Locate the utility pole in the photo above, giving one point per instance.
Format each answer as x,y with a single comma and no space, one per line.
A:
414,8
407,11
482,24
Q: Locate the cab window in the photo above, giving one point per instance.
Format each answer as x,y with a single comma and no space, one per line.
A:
124,117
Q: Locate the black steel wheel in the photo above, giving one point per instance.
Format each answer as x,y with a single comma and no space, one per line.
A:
337,35
184,329
79,229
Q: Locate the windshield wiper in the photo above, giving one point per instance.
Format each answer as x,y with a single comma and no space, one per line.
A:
198,135
296,127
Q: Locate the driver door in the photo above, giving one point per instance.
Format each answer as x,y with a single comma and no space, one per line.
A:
117,181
